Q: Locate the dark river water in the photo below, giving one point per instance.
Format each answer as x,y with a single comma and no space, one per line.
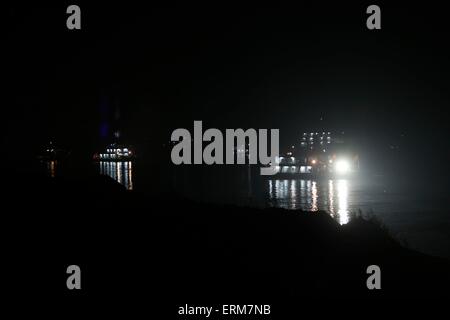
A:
412,213
414,210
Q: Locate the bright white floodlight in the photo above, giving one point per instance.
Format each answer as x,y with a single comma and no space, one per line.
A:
342,166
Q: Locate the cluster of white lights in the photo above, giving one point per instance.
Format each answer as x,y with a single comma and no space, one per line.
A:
115,153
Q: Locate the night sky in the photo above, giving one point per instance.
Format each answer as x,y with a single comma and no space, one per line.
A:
230,66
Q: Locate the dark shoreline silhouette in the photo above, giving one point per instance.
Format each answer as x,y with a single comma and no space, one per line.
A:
127,247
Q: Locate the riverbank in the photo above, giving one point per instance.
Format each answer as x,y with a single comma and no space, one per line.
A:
130,244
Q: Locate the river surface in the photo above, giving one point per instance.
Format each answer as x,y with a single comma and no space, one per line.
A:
414,210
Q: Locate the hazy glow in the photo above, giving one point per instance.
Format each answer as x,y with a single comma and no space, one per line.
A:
342,166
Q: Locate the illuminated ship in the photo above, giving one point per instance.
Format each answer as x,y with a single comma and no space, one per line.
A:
333,166
110,132
115,152
53,153
320,154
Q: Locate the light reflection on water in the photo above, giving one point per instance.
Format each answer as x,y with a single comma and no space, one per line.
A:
308,195
51,168
121,171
